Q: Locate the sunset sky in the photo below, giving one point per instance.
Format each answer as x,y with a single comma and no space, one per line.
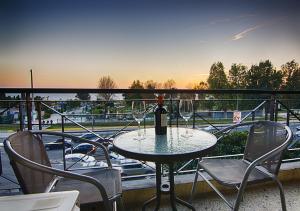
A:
74,43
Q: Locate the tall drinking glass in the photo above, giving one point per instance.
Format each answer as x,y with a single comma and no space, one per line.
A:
186,112
139,113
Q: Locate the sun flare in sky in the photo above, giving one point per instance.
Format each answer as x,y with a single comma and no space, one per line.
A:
74,43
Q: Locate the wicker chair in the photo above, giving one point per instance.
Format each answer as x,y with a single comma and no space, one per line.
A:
265,145
30,162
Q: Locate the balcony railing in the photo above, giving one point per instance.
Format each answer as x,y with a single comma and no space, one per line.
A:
213,109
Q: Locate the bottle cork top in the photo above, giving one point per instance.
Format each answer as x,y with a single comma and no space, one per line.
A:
160,100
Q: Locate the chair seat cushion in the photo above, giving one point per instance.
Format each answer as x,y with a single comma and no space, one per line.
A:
109,178
230,172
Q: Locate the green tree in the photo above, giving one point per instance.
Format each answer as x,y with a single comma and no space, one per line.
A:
217,78
136,84
3,97
169,84
106,82
201,86
263,76
291,81
291,76
236,77
83,96
237,80
150,84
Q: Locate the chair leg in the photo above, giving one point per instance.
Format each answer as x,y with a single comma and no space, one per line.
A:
194,183
114,206
282,197
120,205
240,196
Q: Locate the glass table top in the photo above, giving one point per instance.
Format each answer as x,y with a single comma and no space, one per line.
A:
174,143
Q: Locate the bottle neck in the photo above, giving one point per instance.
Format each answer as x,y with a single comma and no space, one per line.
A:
160,101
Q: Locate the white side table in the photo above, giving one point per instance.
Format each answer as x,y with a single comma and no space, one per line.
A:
58,201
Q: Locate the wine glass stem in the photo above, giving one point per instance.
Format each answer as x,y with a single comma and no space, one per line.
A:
139,130
186,127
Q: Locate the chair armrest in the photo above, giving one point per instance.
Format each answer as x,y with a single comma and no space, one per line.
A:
79,140
39,167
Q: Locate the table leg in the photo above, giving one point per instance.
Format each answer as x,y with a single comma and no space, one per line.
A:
157,198
173,197
158,185
172,191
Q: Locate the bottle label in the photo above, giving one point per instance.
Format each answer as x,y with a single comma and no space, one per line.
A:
163,119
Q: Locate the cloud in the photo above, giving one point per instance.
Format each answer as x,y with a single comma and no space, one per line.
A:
245,32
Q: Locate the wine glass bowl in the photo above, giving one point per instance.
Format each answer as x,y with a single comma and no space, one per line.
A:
139,113
186,112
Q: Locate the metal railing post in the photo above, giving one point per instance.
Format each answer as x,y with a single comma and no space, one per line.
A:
39,113
63,130
266,111
272,107
93,121
171,110
21,112
28,109
194,114
177,113
252,115
276,110
287,118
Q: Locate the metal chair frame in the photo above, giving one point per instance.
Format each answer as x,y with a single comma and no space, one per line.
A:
109,203
252,165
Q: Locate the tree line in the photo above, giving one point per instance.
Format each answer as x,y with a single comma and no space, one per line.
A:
259,76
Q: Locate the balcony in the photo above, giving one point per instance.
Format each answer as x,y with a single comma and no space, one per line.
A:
213,110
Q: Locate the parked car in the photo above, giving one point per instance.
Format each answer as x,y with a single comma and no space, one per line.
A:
87,161
132,167
88,136
82,148
79,156
58,144
115,157
209,128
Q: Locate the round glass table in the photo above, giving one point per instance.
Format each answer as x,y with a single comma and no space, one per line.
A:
178,145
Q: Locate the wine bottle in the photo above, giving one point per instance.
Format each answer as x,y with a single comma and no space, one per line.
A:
160,117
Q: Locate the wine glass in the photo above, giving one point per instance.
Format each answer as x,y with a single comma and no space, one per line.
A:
186,112
138,113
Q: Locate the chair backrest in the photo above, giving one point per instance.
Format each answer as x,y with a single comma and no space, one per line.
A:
31,147
263,137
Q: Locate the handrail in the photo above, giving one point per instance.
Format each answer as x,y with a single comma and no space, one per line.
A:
255,109
166,91
159,91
